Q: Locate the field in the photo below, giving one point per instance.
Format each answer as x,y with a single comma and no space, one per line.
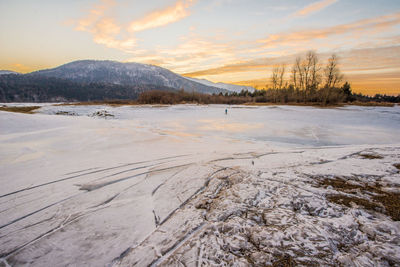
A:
190,185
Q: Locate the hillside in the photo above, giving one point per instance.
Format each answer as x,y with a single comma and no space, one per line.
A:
112,72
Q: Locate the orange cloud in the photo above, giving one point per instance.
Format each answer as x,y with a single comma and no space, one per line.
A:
108,32
162,17
192,52
373,25
257,64
314,7
85,24
104,29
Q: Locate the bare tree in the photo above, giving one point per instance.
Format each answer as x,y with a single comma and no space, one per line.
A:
274,77
278,77
281,77
298,74
332,73
312,71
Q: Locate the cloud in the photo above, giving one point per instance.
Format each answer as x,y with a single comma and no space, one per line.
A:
234,68
107,31
95,14
162,17
314,7
192,52
371,25
260,64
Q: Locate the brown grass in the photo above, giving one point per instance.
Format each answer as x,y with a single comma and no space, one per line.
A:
371,156
381,201
397,165
348,200
372,104
312,104
106,102
285,261
27,110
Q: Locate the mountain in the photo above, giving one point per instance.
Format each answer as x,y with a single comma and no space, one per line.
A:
37,88
3,72
226,86
125,74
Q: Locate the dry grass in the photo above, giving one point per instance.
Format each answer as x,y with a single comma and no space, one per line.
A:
115,103
27,110
380,201
372,104
285,261
397,165
371,156
312,104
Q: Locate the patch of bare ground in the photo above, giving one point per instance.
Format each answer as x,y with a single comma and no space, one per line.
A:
285,261
26,110
66,113
370,197
370,156
102,113
371,104
397,165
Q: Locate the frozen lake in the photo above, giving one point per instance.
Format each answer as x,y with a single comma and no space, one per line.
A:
289,125
187,184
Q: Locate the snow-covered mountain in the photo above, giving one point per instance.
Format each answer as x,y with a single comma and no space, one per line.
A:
226,86
112,72
2,72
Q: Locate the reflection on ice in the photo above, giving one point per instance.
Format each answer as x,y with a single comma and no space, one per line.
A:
296,125
224,126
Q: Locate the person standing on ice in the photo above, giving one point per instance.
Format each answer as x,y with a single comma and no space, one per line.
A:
226,111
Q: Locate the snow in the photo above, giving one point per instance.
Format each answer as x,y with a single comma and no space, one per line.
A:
187,184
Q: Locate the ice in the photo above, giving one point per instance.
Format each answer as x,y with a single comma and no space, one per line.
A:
186,184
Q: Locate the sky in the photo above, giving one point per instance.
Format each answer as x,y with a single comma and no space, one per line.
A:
233,41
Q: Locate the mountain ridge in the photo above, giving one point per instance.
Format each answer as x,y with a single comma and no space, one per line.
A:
226,86
129,73
89,80
6,72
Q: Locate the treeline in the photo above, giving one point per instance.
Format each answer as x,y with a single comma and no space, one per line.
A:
182,97
37,88
308,81
275,96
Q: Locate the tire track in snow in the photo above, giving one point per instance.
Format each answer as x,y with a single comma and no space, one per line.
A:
84,174
39,210
92,187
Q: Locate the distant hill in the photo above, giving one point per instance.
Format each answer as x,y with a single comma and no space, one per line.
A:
112,72
226,86
3,72
89,80
36,88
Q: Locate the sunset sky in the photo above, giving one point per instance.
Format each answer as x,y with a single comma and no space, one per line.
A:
237,41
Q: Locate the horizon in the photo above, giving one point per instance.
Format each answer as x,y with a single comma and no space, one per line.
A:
239,43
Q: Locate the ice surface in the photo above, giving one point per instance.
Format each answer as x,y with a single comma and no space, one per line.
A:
187,184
